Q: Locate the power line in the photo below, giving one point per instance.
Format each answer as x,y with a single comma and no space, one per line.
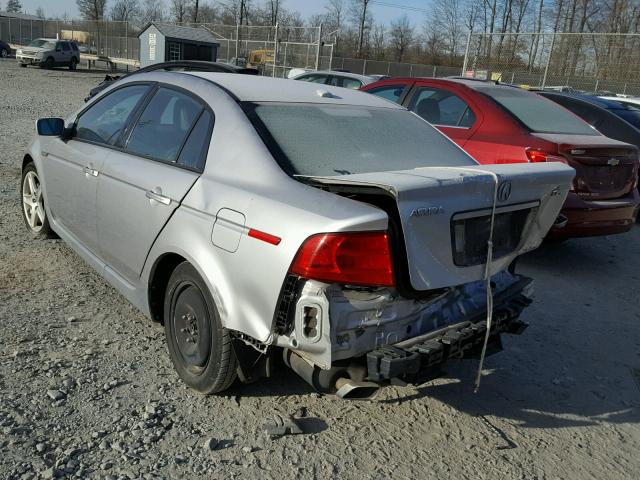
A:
401,7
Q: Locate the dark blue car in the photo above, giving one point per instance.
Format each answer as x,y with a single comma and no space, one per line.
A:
609,117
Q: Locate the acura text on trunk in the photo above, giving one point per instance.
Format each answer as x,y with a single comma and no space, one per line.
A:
256,216
503,124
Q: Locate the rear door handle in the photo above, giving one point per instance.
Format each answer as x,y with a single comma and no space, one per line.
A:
158,197
90,171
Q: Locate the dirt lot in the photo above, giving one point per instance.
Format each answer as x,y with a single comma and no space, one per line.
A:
87,388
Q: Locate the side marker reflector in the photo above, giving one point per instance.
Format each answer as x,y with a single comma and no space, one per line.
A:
265,237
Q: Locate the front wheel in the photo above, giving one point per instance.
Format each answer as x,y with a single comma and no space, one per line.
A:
200,347
23,65
33,211
4,53
48,63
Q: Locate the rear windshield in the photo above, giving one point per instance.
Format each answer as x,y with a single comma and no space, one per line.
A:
41,43
326,140
631,115
538,114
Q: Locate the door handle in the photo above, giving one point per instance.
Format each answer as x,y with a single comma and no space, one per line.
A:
158,197
90,171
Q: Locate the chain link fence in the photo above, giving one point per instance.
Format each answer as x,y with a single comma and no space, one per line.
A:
591,62
103,38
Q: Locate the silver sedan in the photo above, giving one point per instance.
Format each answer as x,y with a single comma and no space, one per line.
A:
255,216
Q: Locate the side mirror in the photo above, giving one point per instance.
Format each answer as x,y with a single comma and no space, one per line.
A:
50,127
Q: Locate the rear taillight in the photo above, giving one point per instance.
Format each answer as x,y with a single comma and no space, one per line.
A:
356,258
536,156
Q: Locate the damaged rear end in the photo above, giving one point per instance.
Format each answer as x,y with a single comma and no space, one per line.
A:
361,308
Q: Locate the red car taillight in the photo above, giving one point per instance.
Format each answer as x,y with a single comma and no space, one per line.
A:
358,258
536,156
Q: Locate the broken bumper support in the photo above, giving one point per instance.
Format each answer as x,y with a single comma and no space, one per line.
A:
414,357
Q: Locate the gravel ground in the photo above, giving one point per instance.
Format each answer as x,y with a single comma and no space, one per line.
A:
87,388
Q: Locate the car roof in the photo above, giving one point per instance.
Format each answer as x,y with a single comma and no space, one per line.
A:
251,88
598,101
337,73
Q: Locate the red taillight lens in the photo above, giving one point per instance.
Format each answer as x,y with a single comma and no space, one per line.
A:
536,156
351,258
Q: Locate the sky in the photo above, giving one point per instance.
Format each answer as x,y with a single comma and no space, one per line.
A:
305,7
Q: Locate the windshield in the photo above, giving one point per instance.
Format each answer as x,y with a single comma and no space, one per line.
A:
325,140
537,113
41,43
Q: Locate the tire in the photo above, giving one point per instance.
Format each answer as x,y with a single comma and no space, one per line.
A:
73,63
200,347
4,53
48,63
23,65
33,212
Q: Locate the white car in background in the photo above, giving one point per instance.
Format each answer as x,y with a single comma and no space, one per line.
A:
633,102
336,79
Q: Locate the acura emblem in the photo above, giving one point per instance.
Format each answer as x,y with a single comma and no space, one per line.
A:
504,191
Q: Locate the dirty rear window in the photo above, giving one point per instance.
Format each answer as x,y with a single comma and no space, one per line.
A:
325,140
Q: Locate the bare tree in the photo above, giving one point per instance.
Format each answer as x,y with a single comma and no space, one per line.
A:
359,12
179,9
335,12
125,10
379,39
40,13
274,8
401,36
153,11
92,9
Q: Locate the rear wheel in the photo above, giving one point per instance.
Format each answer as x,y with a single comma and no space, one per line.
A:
33,211
73,63
200,347
4,53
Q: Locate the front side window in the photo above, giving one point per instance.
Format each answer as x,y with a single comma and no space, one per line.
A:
442,107
389,92
106,119
362,139
538,114
66,47
163,126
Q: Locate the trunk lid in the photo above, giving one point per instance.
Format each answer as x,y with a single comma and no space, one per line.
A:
605,168
445,215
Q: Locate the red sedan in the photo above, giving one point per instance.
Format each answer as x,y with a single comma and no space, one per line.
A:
504,124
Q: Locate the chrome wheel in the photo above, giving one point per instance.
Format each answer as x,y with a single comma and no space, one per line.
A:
32,201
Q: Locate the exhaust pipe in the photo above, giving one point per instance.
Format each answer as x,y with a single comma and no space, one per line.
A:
561,221
353,390
346,381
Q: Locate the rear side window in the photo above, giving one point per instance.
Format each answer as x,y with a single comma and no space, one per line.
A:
313,78
362,139
74,47
163,126
346,83
538,114
106,119
194,152
390,92
442,107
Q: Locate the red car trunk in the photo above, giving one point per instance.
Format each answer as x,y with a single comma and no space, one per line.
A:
504,124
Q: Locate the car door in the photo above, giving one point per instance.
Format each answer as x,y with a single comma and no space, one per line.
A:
142,184
71,168
444,109
59,54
